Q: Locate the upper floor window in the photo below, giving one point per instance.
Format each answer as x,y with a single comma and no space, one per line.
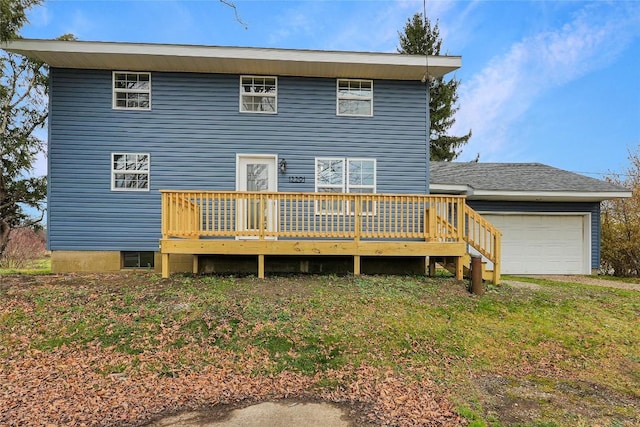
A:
354,97
131,91
130,171
258,94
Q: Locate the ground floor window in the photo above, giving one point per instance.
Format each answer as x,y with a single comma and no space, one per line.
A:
344,175
130,171
138,259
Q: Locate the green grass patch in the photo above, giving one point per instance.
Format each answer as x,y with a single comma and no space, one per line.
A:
37,266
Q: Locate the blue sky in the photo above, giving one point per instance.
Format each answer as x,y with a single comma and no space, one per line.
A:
556,82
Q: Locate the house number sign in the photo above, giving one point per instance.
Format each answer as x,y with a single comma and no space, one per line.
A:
296,179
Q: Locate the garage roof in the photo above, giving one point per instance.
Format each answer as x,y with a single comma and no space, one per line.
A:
232,60
519,181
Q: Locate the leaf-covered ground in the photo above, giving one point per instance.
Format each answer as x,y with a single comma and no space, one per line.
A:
125,349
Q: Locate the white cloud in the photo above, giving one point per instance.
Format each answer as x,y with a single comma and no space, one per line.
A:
375,28
79,25
495,98
39,16
293,22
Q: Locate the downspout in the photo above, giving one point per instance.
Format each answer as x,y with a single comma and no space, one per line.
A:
48,203
427,128
425,80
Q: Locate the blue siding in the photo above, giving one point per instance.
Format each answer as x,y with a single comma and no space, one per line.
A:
193,134
591,207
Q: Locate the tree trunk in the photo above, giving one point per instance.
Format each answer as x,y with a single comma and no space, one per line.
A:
4,236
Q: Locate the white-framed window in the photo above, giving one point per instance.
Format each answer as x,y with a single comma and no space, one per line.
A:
361,175
131,90
344,175
354,97
130,171
330,173
259,94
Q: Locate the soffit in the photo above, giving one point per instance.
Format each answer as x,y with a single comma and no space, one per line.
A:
232,60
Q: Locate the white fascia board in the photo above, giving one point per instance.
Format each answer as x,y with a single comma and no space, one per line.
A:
450,188
547,196
192,58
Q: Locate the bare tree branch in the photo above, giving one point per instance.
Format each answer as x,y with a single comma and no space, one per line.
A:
232,5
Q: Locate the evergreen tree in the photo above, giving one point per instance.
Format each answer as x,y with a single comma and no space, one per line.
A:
23,109
421,38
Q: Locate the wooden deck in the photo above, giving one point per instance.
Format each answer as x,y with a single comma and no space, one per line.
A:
263,223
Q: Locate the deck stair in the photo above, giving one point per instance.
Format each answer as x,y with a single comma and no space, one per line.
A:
449,264
484,239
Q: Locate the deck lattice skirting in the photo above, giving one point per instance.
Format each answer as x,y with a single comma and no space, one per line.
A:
354,224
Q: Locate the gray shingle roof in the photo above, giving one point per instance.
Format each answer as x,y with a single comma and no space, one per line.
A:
529,177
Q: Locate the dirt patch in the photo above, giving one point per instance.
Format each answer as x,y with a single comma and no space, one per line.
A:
523,401
522,285
590,280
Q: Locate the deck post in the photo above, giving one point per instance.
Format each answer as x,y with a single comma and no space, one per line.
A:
165,266
459,268
498,261
357,217
432,266
195,264
431,216
261,266
460,220
357,225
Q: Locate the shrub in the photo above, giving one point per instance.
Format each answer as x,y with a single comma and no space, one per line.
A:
621,225
25,245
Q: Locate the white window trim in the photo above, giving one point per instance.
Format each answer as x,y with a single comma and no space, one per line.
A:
115,171
345,187
375,173
270,95
342,186
114,91
360,98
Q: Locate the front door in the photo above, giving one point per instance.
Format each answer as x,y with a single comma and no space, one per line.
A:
256,173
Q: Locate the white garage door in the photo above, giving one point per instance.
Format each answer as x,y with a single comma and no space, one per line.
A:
543,244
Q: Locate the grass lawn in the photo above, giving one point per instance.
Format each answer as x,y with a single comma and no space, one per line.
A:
121,349
621,279
36,266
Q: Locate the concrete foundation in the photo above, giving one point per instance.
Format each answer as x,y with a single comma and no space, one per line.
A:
109,262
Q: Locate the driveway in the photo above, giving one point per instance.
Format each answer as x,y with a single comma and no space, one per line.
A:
589,280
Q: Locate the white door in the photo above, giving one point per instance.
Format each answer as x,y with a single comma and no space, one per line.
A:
256,173
544,244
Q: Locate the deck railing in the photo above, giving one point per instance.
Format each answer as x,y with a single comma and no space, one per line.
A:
483,236
264,215
327,216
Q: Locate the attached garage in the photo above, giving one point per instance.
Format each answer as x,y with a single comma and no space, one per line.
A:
549,217
544,244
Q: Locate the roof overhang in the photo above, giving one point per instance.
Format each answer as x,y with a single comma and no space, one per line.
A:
232,60
529,196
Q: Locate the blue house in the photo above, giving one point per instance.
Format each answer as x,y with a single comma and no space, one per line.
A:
162,155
